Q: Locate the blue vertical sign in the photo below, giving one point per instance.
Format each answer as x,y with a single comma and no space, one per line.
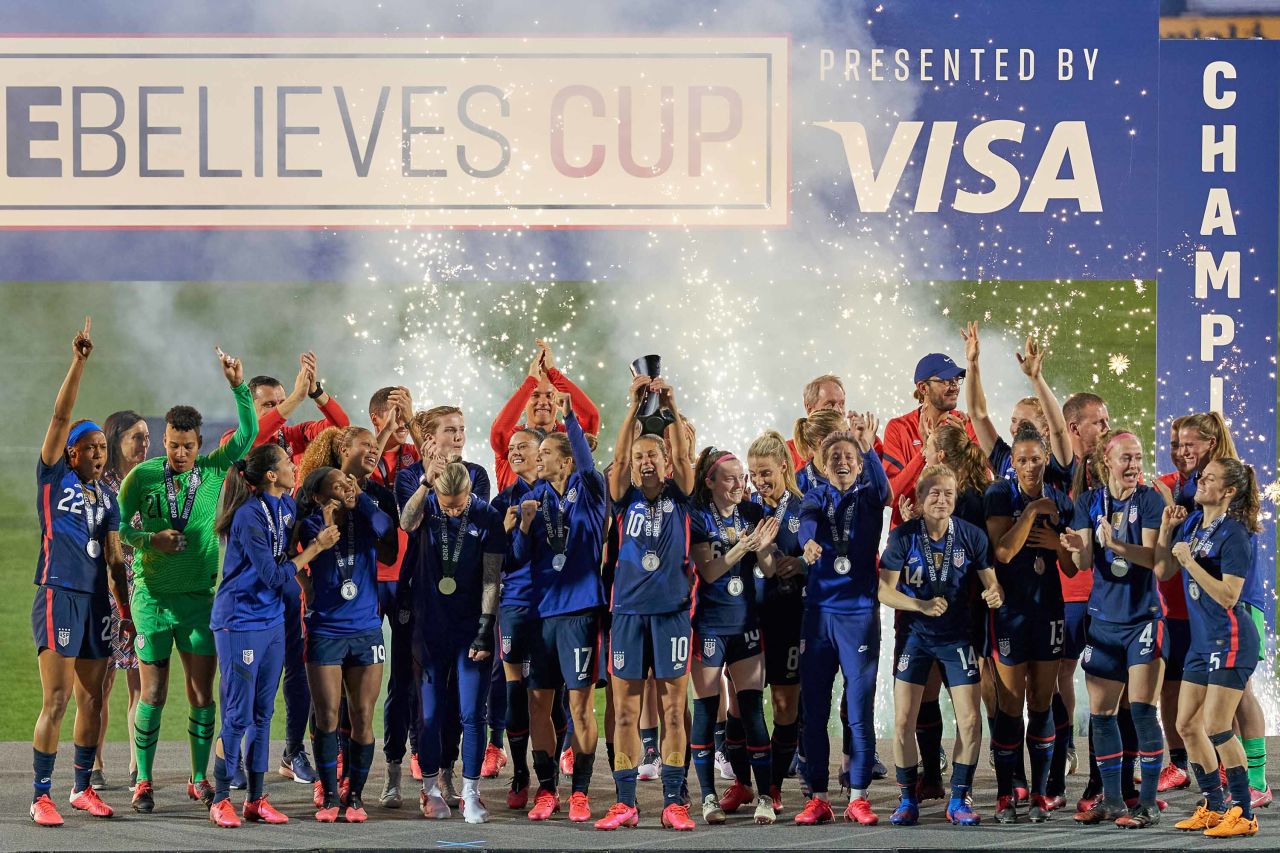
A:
1219,214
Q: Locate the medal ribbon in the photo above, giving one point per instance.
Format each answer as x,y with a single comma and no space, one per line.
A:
275,528
1200,544
557,534
449,564
722,533
93,512
178,520
937,579
840,535
347,565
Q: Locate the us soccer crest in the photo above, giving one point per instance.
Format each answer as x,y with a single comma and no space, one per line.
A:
64,636
619,660
708,647
1088,654
1133,513
506,646
288,519
572,497
802,647
140,642
247,656
793,524
668,505
1004,646
957,559
524,669
903,662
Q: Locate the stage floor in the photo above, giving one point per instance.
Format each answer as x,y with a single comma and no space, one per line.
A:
180,825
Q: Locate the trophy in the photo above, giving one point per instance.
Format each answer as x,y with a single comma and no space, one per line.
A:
652,417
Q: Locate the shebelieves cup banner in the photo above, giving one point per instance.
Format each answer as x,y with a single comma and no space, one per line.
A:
267,132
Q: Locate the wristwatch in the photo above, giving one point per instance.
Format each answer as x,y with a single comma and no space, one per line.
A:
318,393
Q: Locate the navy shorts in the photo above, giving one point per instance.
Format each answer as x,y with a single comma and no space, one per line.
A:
652,643
73,624
782,648
518,627
1076,616
1178,647
565,652
1016,638
352,650
717,650
1114,648
958,660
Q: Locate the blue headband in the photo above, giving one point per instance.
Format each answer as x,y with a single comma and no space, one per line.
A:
79,430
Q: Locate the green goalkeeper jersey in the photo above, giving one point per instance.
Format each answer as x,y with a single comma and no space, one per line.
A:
195,568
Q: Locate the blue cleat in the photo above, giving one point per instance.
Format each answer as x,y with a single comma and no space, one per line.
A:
960,812
906,814
878,770
298,768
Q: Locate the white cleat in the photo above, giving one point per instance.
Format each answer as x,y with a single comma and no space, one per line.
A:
765,814
473,810
650,768
433,805
723,765
711,811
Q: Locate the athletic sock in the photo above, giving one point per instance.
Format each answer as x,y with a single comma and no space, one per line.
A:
200,735
759,750
961,779
146,733
1110,756
42,765
784,739
1255,754
907,778
1006,741
1210,787
257,783
1146,723
720,734
583,766
326,750
1178,757
518,730
735,749
929,740
1238,784
625,782
1129,746
672,783
221,780
609,754
545,767
361,761
84,757
1063,738
1040,741
702,739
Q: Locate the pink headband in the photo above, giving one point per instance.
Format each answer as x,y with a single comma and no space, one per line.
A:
728,457
1116,438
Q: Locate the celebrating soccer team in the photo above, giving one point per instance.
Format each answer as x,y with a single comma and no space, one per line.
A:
683,582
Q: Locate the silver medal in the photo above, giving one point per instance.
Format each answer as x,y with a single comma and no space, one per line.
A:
1039,564
348,590
759,572
1119,567
1193,589
735,586
557,562
93,548
843,565
651,561
447,586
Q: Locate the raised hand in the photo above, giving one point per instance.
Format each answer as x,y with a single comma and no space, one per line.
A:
545,356
1173,515
664,391
766,532
328,537
1046,507
308,361
812,552
82,346
1104,534
509,520
1072,541
639,386
301,383
865,431
789,567
232,369
1182,553
972,347
994,597
564,405
906,507
528,509
1031,359
935,606
168,541
327,511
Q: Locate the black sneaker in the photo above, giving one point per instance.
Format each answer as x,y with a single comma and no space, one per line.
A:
143,800
1139,818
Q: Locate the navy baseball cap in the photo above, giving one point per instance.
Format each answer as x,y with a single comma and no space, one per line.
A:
939,365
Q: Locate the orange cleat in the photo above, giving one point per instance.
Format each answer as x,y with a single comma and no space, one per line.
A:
89,801
44,812
815,811
518,796
859,811
317,794
1233,825
738,795
566,762
327,813
619,814
1203,818
415,768
775,794
579,807
676,816
261,811
354,811
545,804
494,760
223,814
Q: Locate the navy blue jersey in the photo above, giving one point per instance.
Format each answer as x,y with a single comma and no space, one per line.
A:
1031,578
1253,593
255,567
517,578
1222,548
478,531
353,559
1001,462
74,521
911,552
575,520
1185,495
860,511
652,573
726,605
409,477
788,544
1122,592
969,506
808,477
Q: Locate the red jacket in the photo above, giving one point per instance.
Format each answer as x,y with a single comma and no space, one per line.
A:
389,467
295,438
1172,590
903,456
508,421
